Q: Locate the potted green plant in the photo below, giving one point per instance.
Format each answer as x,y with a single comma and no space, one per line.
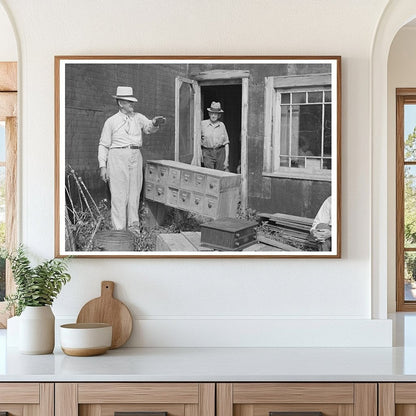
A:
36,289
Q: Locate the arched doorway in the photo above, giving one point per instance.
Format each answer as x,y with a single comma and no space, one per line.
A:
396,15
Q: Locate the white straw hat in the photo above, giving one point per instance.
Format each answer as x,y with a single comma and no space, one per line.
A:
125,93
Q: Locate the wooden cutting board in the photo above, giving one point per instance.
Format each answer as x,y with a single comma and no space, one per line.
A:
107,309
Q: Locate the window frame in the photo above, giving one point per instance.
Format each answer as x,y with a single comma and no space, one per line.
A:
274,87
403,96
8,113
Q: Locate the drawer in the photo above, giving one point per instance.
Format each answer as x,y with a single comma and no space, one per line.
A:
160,194
187,180
184,199
152,173
213,186
163,174
197,203
210,206
297,399
149,190
172,197
200,182
144,399
174,177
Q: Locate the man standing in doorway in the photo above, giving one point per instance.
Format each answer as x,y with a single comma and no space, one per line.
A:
120,159
214,139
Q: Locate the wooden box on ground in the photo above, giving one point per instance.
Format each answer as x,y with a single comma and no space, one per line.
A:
207,192
105,399
229,234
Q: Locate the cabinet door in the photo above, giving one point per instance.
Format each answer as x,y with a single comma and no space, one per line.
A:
143,399
26,399
297,399
397,399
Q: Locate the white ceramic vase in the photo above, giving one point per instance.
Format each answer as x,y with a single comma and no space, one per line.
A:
37,330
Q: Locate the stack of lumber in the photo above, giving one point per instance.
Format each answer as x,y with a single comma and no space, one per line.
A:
290,232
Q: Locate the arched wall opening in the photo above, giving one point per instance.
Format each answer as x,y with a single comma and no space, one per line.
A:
385,76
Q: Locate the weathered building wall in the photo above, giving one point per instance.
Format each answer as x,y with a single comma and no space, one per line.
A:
89,103
290,196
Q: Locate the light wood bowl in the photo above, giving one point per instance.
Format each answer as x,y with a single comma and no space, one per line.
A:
84,340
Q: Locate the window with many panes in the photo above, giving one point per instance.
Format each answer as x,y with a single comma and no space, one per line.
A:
300,126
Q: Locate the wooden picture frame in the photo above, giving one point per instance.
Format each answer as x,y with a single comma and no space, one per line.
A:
248,186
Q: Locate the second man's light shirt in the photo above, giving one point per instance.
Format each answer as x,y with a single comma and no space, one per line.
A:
213,135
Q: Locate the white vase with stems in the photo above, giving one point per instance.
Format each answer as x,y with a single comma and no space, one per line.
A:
37,330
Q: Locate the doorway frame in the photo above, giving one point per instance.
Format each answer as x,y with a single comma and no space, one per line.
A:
234,77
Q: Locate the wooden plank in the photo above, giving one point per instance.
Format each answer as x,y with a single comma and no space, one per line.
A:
173,242
8,105
66,399
365,403
268,113
405,393
244,145
274,243
23,393
8,76
207,399
47,399
138,393
178,84
386,399
340,393
302,80
345,410
190,410
224,399
222,74
196,160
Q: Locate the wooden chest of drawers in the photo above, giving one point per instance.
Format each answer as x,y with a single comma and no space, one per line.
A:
228,234
208,192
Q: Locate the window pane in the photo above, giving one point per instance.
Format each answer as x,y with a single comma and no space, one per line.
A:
328,95
315,97
409,132
327,131
409,276
285,98
306,130
327,164
284,161
2,141
284,130
297,162
410,206
299,97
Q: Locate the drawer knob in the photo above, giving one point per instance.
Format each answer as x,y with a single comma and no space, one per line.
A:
196,201
183,198
209,205
237,235
237,244
211,185
159,192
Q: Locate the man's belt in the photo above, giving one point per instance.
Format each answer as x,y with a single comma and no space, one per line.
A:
214,148
131,146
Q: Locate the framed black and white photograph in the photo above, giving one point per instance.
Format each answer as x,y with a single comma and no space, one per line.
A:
198,156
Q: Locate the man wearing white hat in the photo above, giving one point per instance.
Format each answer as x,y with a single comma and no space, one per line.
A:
214,139
120,159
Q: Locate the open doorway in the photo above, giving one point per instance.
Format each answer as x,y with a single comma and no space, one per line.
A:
230,98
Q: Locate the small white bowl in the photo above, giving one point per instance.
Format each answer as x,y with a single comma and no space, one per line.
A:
83,340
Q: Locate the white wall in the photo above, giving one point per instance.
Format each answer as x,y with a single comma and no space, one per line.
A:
211,302
8,46
401,74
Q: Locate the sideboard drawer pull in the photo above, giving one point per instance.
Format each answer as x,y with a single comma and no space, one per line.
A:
139,414
295,413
